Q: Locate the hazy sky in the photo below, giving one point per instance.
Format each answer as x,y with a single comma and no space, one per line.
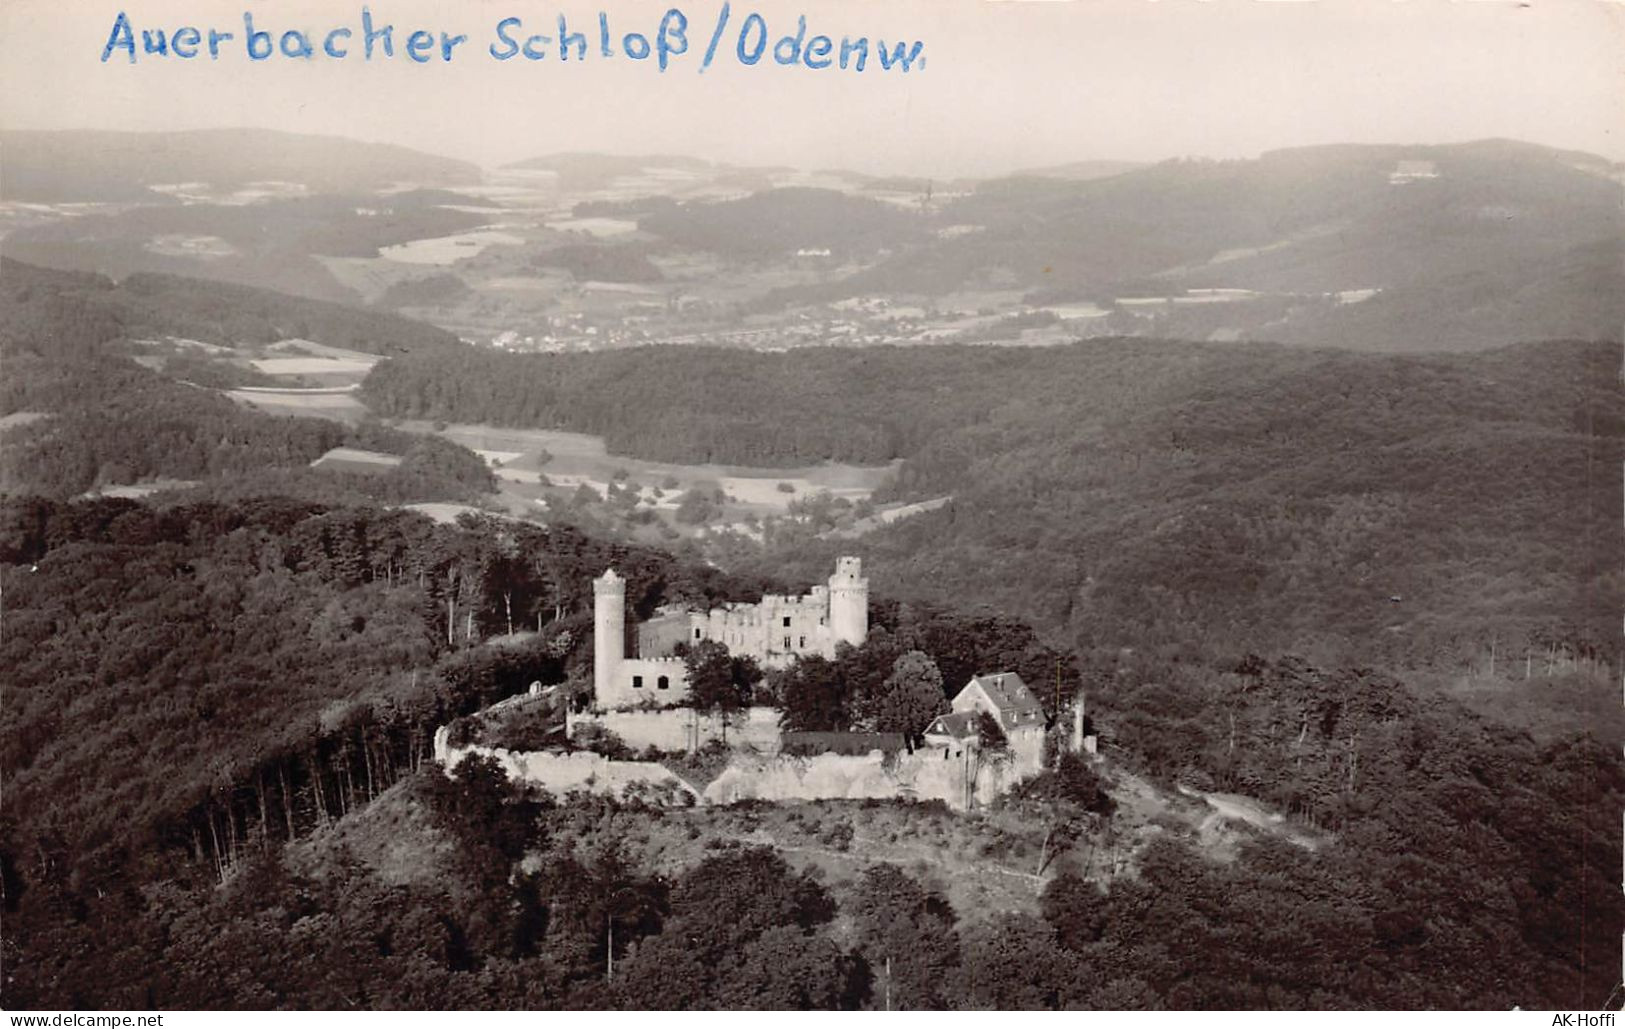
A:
1006,84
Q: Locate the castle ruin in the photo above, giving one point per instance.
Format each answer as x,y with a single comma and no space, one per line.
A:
774,632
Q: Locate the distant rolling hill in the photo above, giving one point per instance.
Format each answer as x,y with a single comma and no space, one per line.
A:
58,314
274,244
1403,248
1078,170
780,221
90,166
579,172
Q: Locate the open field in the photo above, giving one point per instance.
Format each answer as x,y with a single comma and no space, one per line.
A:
312,366
370,276
444,250
140,490
595,226
18,419
323,350
177,245
177,343
577,458
339,404
887,515
353,459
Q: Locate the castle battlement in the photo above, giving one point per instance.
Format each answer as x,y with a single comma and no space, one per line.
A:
775,631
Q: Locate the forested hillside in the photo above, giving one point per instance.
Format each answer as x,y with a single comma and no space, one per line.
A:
300,853
101,419
59,313
275,244
779,221
1157,494
112,422
301,639
586,171
1468,246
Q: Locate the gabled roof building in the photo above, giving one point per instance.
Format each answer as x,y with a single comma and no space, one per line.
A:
1004,696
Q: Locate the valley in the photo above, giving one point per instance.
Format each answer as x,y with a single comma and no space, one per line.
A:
1294,478
585,253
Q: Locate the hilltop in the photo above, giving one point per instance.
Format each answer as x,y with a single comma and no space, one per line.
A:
101,166
778,221
302,851
1400,248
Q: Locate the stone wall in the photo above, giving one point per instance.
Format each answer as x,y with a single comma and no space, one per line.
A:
658,636
1027,748
635,681
560,773
684,729
960,783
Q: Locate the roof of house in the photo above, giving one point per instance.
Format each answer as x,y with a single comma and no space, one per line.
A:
961,725
1007,692
808,743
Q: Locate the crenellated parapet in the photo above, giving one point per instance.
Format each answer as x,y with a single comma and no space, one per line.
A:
774,631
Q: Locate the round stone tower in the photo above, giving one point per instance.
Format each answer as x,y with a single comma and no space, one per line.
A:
608,631
849,602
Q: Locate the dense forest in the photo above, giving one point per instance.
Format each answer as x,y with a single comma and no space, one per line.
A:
601,262
1180,496
147,863
60,313
442,288
1254,562
110,422
776,222
99,418
311,643
301,852
1500,242
276,244
318,648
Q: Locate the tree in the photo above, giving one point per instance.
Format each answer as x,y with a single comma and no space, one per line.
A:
491,819
1013,964
731,898
1075,908
907,700
664,973
697,507
989,734
1076,781
719,682
907,934
789,969
811,695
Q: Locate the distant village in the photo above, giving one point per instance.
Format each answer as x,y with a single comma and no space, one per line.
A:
616,315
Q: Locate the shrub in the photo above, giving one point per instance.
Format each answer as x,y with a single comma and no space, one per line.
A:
838,836
594,737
